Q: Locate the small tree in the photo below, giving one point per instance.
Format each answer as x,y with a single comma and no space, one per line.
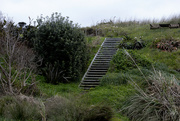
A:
16,62
60,43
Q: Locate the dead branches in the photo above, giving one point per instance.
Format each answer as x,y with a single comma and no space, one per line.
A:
17,63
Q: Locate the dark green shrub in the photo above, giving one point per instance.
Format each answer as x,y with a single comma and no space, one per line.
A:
29,33
122,62
59,40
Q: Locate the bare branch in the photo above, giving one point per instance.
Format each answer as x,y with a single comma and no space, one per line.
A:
17,64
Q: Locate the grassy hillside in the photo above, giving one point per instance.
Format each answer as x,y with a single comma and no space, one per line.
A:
115,88
142,82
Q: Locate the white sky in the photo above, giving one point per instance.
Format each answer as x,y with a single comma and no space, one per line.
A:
89,12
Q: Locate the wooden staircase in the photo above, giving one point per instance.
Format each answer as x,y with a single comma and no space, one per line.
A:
100,63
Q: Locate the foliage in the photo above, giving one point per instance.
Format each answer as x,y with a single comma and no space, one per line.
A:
168,45
160,100
59,40
28,35
129,43
121,62
53,73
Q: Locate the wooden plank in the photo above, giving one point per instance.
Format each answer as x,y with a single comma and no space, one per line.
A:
154,26
174,26
164,25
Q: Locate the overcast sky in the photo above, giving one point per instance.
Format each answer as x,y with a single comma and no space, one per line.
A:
89,12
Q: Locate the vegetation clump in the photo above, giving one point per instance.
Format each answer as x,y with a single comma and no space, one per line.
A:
121,62
61,44
159,101
167,44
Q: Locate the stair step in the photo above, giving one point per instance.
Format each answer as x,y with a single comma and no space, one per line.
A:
108,57
99,68
99,55
108,50
100,64
97,71
110,47
92,78
89,75
114,42
111,44
106,53
88,85
101,61
91,81
113,39
87,88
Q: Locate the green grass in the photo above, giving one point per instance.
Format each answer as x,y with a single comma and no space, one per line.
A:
60,89
108,95
113,96
171,59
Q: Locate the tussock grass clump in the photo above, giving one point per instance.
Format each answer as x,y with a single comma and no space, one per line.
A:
62,109
19,108
159,102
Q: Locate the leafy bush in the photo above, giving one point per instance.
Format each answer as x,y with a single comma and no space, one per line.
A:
121,62
160,101
59,40
129,43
